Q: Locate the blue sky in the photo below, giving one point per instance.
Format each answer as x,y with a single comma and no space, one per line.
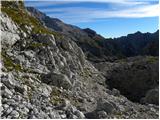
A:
110,18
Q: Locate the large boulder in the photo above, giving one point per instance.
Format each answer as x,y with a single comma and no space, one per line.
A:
104,105
57,79
152,97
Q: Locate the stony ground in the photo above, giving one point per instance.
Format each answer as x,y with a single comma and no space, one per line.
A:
45,75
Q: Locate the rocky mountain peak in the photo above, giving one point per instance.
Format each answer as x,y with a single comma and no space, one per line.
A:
90,32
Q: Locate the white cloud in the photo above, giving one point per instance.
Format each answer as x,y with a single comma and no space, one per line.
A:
125,9
137,12
39,3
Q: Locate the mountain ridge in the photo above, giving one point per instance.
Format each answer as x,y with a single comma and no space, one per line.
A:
98,48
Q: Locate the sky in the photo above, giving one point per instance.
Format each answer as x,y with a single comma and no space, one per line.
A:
109,18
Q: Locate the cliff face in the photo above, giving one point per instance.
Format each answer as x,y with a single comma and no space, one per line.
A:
46,75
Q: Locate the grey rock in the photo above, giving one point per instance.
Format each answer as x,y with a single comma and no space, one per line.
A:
79,114
25,110
81,56
8,80
29,54
73,117
63,116
5,106
52,115
32,117
9,31
8,111
152,97
115,92
14,114
102,114
10,101
14,104
6,92
65,104
45,90
66,45
56,79
104,105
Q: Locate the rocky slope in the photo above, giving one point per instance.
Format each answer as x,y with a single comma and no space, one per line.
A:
46,75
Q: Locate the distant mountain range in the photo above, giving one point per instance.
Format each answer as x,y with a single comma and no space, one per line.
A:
98,48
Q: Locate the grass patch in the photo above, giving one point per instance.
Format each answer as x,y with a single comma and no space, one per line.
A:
56,97
9,64
152,59
86,73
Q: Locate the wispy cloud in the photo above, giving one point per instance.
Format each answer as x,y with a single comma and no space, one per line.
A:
137,12
39,3
122,9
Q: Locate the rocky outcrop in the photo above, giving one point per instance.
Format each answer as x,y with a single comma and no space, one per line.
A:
152,96
9,31
134,77
46,75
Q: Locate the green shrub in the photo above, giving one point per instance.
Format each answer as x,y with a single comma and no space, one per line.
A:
9,64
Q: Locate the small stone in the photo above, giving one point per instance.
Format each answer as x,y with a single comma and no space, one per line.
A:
8,110
115,92
52,115
25,110
102,114
14,104
14,114
6,92
104,105
79,114
10,101
8,80
17,98
63,116
32,117
35,110
65,105
5,106
90,99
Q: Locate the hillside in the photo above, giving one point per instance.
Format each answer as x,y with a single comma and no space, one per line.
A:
46,73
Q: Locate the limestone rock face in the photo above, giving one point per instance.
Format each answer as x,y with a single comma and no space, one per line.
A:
9,31
45,75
